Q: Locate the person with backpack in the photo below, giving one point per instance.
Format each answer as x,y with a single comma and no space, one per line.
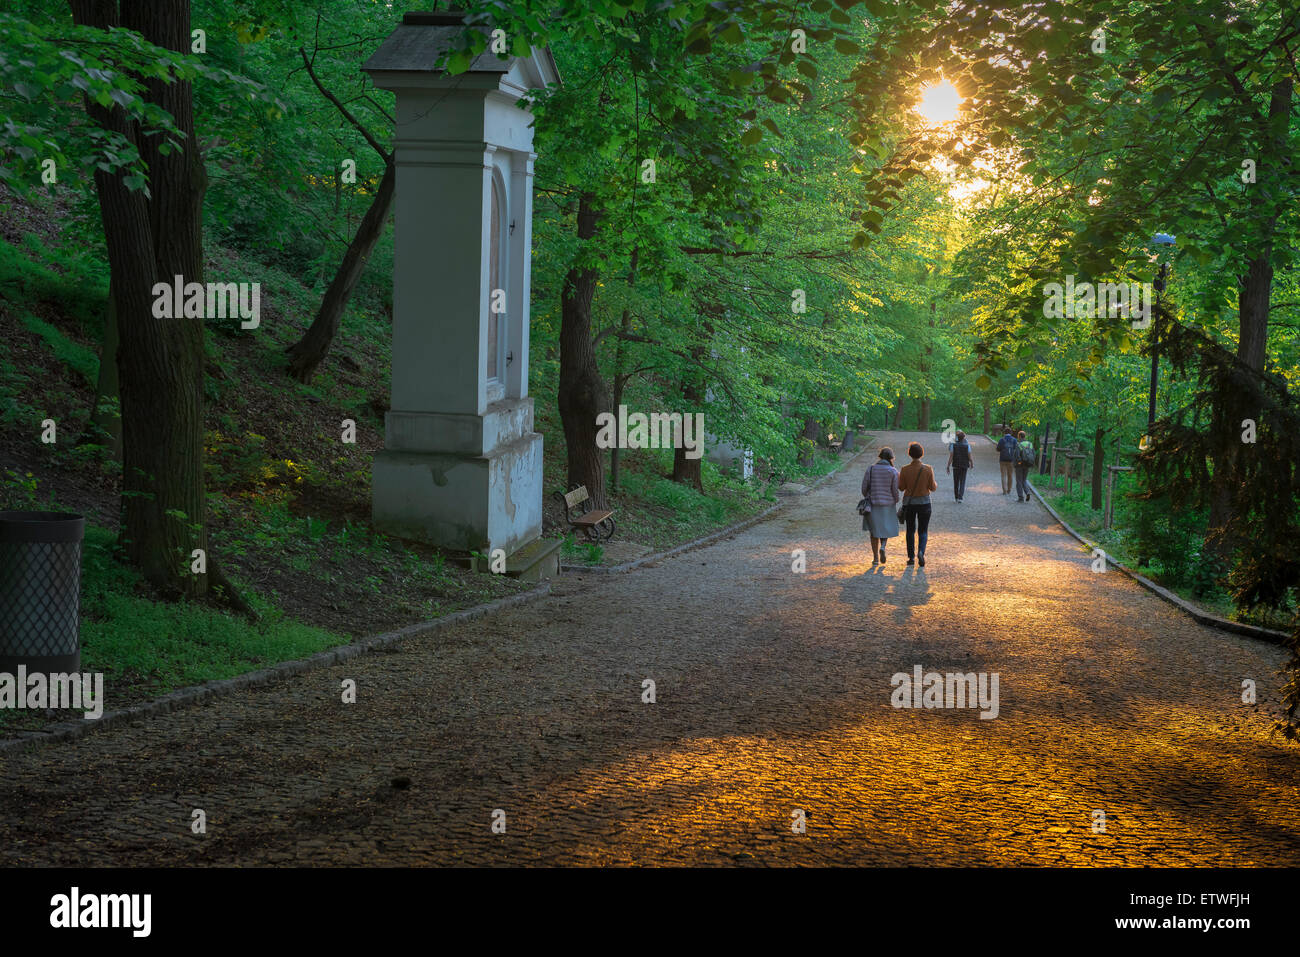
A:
880,489
959,461
1025,458
916,481
1007,458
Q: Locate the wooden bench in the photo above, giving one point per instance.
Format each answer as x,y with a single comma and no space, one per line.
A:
596,523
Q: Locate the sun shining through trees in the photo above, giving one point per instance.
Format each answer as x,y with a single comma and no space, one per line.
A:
940,103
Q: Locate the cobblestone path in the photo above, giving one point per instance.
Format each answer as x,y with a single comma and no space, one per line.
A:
772,695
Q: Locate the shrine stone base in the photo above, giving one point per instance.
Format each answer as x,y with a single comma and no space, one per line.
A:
466,482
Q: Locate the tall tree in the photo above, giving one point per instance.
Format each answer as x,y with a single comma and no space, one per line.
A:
583,392
153,237
306,355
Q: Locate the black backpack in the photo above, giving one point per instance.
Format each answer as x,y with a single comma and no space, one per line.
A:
961,457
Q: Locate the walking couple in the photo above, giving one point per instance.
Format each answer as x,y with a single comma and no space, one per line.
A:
881,487
1015,457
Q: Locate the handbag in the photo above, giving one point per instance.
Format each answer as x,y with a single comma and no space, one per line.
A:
864,504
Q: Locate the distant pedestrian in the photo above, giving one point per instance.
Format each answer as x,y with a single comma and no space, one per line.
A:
959,461
880,487
917,482
1007,459
1024,460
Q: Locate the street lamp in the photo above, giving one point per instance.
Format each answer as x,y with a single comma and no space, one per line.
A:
1159,239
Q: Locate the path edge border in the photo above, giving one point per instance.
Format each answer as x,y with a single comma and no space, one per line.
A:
194,694
1203,617
712,537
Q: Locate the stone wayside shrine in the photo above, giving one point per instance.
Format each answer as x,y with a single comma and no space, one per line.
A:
461,466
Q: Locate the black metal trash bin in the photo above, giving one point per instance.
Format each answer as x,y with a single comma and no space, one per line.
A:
40,591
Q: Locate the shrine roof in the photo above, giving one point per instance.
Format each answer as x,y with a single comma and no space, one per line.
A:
420,41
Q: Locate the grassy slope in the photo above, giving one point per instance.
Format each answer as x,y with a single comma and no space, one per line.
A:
289,501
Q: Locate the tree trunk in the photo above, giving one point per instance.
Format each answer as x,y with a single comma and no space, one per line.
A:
689,471
583,394
306,355
809,436
105,426
160,361
620,383
923,421
1253,304
898,414
620,377
1098,466
987,413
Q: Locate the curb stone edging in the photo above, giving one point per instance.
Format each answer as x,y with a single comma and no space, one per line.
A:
1201,616
185,697
712,536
